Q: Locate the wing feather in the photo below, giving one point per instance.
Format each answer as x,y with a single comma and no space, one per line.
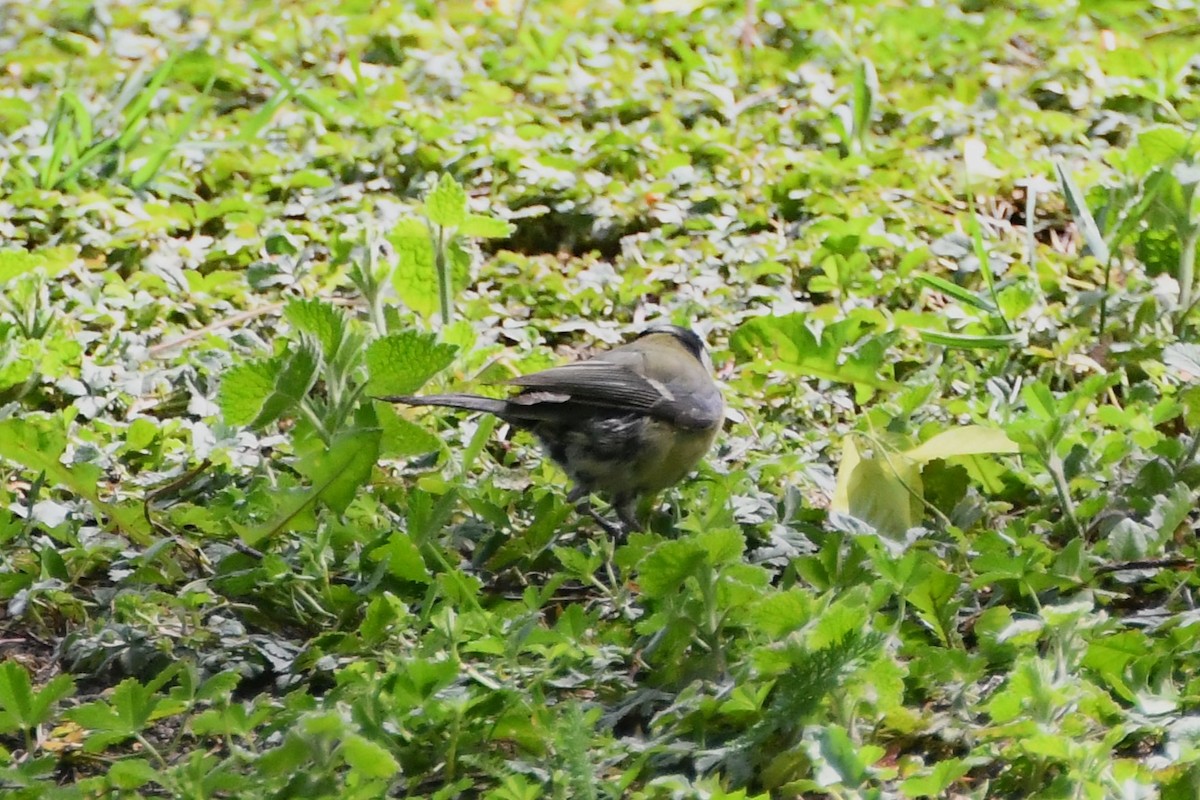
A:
600,384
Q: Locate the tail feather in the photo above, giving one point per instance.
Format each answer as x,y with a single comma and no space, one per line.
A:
467,402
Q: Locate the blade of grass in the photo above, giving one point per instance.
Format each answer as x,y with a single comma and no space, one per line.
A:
1077,202
866,86
160,154
985,265
957,292
962,341
137,111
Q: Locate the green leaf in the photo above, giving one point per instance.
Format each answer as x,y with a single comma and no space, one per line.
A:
482,226
401,363
780,613
38,442
866,87
16,698
132,773
458,258
1170,510
52,260
722,546
336,475
57,688
934,600
260,392
446,205
839,753
666,568
837,353
1130,540
368,758
402,438
340,471
244,389
323,321
403,559
415,275
938,781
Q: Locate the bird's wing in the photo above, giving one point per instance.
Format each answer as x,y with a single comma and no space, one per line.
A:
596,383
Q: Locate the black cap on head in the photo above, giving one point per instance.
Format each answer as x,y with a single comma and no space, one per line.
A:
686,337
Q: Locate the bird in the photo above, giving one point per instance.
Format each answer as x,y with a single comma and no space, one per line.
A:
624,424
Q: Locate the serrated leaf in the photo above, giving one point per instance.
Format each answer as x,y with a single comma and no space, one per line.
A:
782,612
16,698
664,570
368,758
934,598
459,260
415,275
260,392
482,226
721,546
244,389
323,321
132,773
401,363
969,440
446,205
402,438
57,688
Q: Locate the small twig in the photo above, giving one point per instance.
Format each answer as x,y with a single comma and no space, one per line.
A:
157,350
1148,563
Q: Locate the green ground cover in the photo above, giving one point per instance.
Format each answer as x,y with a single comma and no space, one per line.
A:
944,256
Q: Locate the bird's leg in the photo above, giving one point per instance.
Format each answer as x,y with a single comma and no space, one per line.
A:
611,528
583,505
627,513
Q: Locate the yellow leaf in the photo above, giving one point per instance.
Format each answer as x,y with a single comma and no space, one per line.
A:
971,440
884,492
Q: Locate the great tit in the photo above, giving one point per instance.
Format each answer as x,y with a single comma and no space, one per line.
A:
625,424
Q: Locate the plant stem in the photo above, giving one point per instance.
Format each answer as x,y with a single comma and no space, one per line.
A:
1104,300
1055,465
1187,273
443,272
